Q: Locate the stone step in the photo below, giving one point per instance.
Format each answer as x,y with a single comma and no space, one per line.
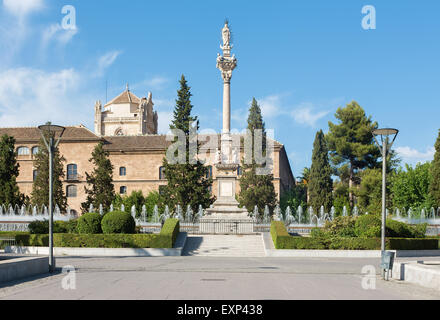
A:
224,246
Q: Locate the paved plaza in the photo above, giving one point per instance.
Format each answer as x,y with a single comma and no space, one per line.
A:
213,278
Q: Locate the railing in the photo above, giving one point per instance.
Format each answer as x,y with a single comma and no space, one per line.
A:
7,242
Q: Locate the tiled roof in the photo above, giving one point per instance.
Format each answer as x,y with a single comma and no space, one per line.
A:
125,143
33,134
149,142
81,133
125,97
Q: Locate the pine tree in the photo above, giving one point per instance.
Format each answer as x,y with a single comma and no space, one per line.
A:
256,190
320,187
188,183
40,189
9,170
351,142
102,191
434,188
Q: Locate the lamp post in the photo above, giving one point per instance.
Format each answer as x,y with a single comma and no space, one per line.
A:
384,147
54,134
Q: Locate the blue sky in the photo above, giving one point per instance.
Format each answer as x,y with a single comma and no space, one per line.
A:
300,59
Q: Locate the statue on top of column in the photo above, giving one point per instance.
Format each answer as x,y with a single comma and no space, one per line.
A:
226,35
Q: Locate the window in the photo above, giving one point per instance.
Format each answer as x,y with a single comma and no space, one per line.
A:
35,150
239,171
23,151
162,173
123,190
122,171
209,173
35,174
72,172
71,191
161,190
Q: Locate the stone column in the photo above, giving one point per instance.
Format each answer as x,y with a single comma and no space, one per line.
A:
227,106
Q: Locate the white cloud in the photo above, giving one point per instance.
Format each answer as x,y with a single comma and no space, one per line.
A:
271,106
305,114
22,8
165,118
30,97
413,156
106,61
57,33
156,82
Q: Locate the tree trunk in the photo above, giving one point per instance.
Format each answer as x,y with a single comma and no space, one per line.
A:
350,185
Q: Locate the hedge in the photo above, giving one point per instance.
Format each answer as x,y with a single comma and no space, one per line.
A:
169,232
118,222
89,223
282,240
165,239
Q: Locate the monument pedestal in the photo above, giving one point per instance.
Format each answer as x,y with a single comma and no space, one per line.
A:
225,210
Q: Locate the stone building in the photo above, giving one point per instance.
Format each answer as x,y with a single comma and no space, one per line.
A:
137,160
137,157
126,115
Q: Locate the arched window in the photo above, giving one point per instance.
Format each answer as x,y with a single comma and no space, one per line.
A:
35,174
23,151
35,150
209,173
72,172
162,173
71,192
123,190
122,171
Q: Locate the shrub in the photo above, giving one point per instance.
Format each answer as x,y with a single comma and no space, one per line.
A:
118,222
170,231
42,227
397,229
368,226
39,227
419,231
72,226
89,223
341,227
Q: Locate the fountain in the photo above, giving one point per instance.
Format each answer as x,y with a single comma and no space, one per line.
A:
16,218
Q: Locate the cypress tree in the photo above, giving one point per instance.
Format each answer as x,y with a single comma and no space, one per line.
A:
434,188
9,170
40,189
188,183
256,190
320,187
101,191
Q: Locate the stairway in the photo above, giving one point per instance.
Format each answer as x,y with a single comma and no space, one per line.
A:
224,246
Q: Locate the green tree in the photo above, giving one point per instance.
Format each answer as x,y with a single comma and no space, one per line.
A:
100,181
136,198
40,189
410,187
369,193
320,187
294,197
256,189
351,142
434,188
188,182
9,171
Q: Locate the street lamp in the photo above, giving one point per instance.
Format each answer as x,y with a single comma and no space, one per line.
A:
54,134
384,147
